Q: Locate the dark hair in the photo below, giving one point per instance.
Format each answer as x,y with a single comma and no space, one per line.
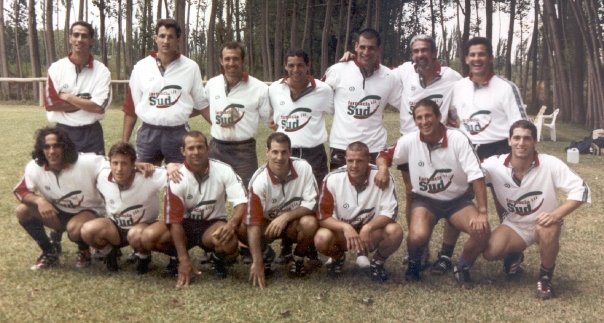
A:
83,24
297,53
478,41
168,23
370,33
70,154
123,148
524,124
358,146
194,134
427,103
233,45
427,39
278,137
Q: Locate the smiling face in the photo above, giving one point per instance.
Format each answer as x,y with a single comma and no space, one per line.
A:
122,169
53,152
422,55
80,40
427,122
522,144
297,69
231,61
357,166
367,52
278,158
166,41
479,60
195,152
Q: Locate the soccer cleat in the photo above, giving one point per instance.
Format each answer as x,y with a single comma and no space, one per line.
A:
83,259
413,273
218,264
297,268
111,260
171,269
268,256
335,267
462,275
442,265
46,260
544,288
313,257
246,255
142,264
378,272
132,257
285,255
55,240
512,264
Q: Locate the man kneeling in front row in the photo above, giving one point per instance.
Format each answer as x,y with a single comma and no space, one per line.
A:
356,215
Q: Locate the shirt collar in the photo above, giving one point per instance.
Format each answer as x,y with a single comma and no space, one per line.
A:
244,78
154,54
535,162
276,180
485,83
88,64
437,69
360,187
199,177
372,70
443,142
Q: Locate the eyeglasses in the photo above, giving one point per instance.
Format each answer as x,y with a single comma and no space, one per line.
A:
55,146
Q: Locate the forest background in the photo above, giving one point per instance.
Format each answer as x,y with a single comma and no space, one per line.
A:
556,56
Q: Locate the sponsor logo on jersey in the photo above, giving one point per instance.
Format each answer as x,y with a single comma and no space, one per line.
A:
289,205
365,107
477,122
232,114
129,216
527,204
362,217
201,210
166,97
297,119
84,95
438,182
438,98
70,200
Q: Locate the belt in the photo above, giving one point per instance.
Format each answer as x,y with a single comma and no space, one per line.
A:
152,126
232,143
78,127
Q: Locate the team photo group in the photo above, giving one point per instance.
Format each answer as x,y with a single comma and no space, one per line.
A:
174,188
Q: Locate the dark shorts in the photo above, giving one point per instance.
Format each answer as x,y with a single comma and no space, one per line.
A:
485,151
157,143
123,233
194,230
241,155
316,157
87,139
64,217
442,209
338,158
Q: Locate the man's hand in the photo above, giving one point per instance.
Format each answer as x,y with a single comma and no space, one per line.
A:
382,178
272,125
257,274
277,225
546,219
46,209
353,240
348,56
173,171
185,269
365,235
145,168
224,234
479,224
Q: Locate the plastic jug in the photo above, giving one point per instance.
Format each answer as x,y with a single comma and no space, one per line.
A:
572,156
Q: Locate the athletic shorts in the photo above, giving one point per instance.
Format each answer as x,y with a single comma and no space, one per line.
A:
526,230
123,233
194,230
241,155
316,157
87,139
338,158
485,151
442,209
157,143
64,217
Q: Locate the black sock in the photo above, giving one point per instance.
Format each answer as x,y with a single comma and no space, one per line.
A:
416,255
549,272
82,245
35,229
447,250
514,256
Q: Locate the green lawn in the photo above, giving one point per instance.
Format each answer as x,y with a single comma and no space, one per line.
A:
92,295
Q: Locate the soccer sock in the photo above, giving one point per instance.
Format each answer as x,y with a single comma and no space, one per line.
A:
462,262
415,255
514,256
549,272
35,229
82,245
298,252
447,250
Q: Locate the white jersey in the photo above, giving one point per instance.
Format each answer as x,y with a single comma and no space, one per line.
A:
443,171
487,111
91,81
356,206
138,203
359,104
303,119
72,190
438,91
235,115
271,197
168,99
203,198
536,193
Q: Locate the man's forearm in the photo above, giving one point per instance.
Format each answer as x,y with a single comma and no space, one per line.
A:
129,122
179,239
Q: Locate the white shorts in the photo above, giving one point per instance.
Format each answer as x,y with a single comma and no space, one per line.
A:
526,230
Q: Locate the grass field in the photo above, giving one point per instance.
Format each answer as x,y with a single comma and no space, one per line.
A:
64,294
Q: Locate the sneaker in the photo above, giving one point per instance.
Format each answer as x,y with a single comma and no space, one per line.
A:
111,260
442,265
512,264
463,277
268,256
132,257
336,266
362,261
378,272
218,265
297,268
83,259
285,255
313,257
405,259
142,264
544,288
171,269
246,255
46,260
55,240
413,273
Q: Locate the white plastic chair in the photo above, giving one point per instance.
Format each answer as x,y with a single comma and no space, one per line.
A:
551,125
538,121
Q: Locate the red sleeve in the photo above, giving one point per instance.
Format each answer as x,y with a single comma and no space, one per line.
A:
325,203
51,97
388,154
255,212
174,209
128,107
21,190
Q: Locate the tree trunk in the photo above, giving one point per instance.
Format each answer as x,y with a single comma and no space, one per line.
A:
66,46
534,55
81,10
293,32
376,18
16,18
49,38
508,51
237,23
466,34
489,19
348,18
307,27
445,51
339,35
267,47
3,60
102,5
34,50
325,36
120,40
159,10
229,20
278,49
129,43
211,57
432,20
179,15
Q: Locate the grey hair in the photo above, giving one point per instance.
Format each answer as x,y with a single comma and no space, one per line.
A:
426,38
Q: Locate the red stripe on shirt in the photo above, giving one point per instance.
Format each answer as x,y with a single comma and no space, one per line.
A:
21,190
51,97
325,204
255,211
174,209
128,107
